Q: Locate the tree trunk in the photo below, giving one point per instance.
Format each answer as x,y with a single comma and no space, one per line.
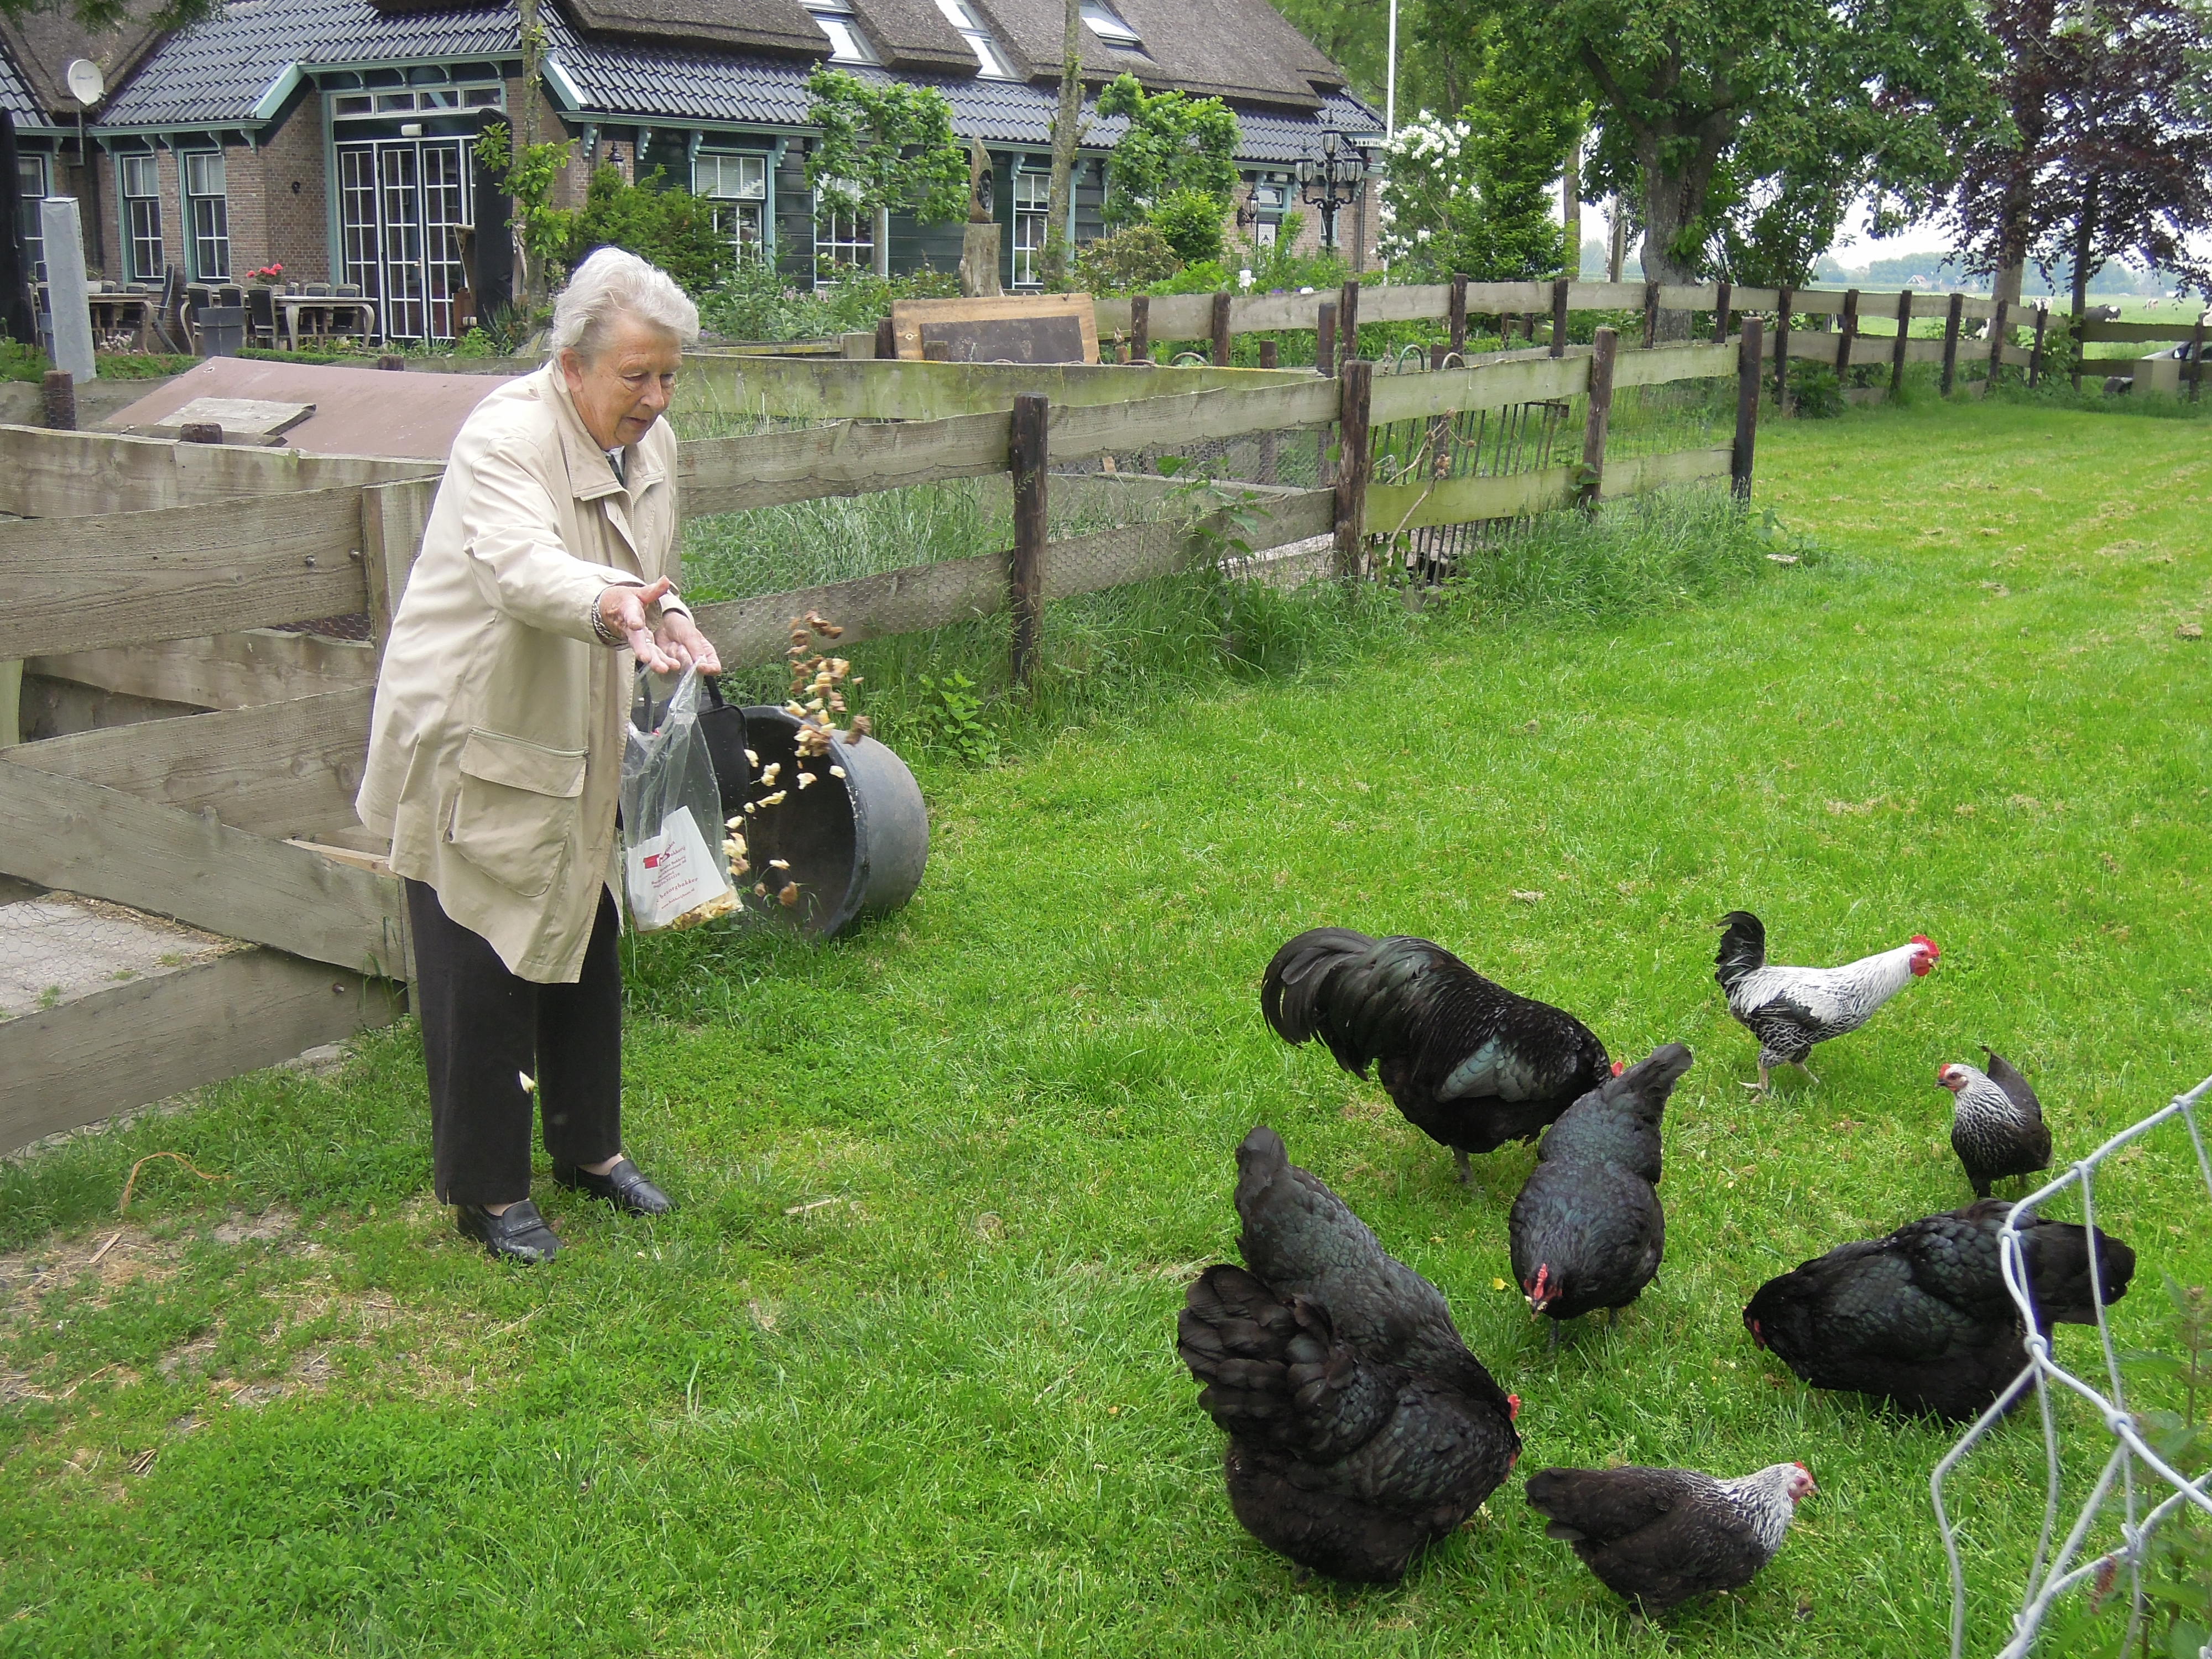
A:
1571,209
2085,236
1616,254
1671,201
1066,133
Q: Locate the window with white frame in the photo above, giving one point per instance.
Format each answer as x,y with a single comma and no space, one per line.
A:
141,214
1268,204
207,213
843,241
735,188
353,106
1032,220
990,55
33,182
847,44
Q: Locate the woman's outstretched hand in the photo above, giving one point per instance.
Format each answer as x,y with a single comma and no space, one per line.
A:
675,644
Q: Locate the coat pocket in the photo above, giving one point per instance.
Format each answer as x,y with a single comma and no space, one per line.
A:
516,811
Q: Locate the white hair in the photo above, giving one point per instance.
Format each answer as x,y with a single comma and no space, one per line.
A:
613,282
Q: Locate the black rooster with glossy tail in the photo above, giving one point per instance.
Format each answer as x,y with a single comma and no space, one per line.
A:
1469,1063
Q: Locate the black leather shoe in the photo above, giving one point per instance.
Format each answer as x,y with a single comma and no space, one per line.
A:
624,1187
518,1233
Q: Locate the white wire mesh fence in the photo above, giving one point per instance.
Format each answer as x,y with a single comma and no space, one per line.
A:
2137,1491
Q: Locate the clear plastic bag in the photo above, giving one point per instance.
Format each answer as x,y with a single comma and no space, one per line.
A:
674,870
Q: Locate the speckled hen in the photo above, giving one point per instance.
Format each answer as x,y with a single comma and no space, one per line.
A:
1996,1122
1658,1537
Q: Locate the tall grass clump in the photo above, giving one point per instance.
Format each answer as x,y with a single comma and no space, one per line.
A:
1664,551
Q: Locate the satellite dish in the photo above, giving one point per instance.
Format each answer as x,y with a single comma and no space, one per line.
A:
86,84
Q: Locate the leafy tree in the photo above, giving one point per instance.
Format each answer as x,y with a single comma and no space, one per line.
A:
1127,261
1174,142
542,232
673,229
885,145
1066,137
1475,194
2110,152
1867,95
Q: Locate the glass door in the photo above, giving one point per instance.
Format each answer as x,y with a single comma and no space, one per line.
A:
403,207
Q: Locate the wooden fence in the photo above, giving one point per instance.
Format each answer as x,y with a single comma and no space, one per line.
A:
162,569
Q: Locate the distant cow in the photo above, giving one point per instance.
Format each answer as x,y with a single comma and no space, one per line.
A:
2102,314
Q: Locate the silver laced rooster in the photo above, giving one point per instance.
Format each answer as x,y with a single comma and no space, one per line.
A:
1789,1010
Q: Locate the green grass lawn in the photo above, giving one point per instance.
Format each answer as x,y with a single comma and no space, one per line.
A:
898,1377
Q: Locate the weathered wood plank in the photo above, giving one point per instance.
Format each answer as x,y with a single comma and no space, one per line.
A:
2147,332
281,768
1284,405
1466,501
918,597
393,517
135,1043
1640,474
1701,361
119,579
61,832
1869,349
225,670
836,389
46,474
1488,386
728,475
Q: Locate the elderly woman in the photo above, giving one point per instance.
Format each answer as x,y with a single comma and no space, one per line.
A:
495,753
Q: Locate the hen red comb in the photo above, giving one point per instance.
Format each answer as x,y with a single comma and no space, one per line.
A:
1934,948
1619,1067
1513,1410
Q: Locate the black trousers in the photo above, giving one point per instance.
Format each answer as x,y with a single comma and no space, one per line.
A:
483,1028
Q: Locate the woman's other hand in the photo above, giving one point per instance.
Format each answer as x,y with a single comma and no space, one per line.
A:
679,637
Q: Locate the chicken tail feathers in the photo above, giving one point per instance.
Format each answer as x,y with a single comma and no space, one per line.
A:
1293,993
1273,1370
1743,949
1361,996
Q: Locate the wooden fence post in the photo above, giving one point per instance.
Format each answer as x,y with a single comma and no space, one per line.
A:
58,400
1347,321
2196,358
886,341
1650,315
1560,318
2035,352
1782,350
1141,328
1455,312
1845,335
1896,352
1951,341
1270,354
393,517
1750,358
1590,478
1221,328
1026,459
1270,357
1720,313
1996,343
1352,466
1325,339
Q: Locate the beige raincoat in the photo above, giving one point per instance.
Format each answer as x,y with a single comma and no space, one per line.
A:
494,757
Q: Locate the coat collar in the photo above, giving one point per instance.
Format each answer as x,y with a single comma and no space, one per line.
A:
589,474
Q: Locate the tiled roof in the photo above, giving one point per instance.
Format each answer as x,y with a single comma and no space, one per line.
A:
15,96
218,71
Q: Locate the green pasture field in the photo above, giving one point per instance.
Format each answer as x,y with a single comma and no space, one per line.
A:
897,1379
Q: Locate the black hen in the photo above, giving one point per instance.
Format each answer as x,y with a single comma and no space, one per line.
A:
1468,1062
1922,1318
1587,1231
1660,1536
1996,1122
1361,1428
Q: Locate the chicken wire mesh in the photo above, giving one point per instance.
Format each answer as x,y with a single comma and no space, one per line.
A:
2137,1491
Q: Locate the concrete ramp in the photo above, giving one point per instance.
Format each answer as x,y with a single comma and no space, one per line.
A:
357,412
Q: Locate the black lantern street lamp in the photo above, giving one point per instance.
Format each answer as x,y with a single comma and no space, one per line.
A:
1333,183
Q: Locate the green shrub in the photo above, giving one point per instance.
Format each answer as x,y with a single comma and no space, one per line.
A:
672,227
1814,391
1126,262
752,301
1189,222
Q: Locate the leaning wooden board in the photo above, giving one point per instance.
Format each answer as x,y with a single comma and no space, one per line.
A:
1014,328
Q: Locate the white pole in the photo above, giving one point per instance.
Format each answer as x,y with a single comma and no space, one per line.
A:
1390,80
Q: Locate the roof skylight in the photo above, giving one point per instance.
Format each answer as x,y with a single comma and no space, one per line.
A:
990,56
847,44
1103,22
